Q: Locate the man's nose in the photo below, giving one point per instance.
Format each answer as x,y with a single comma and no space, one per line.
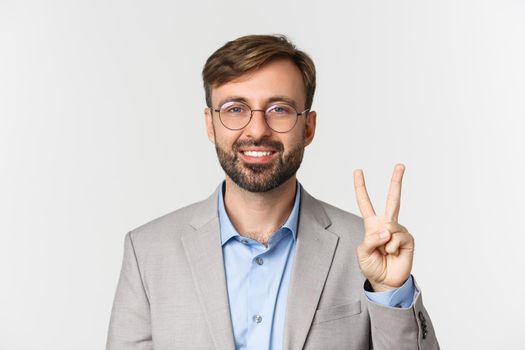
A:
257,128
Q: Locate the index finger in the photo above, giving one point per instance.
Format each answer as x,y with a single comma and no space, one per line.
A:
363,200
393,201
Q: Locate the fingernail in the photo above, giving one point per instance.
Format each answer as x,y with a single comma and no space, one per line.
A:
383,234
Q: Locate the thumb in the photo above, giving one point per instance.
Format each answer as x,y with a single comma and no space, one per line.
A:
372,241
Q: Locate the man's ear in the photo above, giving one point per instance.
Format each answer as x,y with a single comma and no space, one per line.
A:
208,118
309,131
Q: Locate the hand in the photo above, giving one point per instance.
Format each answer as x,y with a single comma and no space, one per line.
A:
386,253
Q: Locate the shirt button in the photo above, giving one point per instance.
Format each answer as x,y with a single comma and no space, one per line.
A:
245,241
257,318
259,261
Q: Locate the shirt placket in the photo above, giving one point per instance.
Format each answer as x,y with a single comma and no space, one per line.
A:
260,305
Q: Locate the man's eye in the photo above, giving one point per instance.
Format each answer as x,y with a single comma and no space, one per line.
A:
281,110
235,109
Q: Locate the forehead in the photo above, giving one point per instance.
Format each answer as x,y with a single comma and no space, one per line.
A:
277,78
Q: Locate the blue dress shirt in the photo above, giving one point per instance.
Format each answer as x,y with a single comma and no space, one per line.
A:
258,277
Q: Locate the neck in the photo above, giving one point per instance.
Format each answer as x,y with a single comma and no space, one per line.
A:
258,215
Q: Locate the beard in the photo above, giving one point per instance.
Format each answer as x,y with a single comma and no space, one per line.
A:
260,177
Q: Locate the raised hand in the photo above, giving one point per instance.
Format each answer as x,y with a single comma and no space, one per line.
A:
386,253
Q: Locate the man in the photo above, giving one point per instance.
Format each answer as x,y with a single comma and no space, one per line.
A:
261,264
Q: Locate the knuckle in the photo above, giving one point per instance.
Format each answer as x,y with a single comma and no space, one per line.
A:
390,249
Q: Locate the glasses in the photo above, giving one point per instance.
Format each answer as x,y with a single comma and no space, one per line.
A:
280,117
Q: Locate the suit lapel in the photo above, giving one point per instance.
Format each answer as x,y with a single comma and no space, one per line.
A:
202,245
313,256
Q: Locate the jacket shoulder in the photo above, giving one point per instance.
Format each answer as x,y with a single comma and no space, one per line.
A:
168,226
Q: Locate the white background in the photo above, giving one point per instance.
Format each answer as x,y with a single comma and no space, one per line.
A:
102,130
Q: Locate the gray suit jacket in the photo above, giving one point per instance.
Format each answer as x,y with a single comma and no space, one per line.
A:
172,289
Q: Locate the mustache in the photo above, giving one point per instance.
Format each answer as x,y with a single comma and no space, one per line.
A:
278,146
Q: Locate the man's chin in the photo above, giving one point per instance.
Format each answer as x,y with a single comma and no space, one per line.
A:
258,168
256,180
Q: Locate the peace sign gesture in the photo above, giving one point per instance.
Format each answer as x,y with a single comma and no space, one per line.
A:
386,253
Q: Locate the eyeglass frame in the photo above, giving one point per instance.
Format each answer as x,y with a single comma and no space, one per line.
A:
265,115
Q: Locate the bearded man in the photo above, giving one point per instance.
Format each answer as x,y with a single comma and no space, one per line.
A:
261,264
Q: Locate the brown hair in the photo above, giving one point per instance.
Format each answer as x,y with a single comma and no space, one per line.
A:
251,52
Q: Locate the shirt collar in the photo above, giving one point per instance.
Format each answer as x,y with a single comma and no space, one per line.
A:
226,226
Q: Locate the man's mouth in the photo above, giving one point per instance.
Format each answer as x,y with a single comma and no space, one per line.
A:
257,155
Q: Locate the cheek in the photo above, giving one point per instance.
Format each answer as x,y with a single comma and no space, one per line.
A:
295,140
225,140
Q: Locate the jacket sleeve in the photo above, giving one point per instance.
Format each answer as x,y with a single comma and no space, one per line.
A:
130,327
401,328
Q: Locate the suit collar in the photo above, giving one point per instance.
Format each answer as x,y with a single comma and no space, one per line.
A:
206,210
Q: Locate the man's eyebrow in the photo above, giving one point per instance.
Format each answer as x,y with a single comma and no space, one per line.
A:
283,99
232,99
272,99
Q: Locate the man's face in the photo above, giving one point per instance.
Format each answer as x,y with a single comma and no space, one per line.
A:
283,152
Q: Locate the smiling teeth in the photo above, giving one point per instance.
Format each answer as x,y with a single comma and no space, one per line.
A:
257,154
